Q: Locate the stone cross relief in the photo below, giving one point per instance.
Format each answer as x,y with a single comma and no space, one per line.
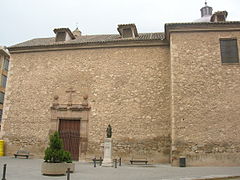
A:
70,91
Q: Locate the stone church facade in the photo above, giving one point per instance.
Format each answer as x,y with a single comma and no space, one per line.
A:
165,95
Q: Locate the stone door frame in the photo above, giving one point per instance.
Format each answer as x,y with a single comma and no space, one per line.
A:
72,112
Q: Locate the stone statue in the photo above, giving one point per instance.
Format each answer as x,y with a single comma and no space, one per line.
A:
109,131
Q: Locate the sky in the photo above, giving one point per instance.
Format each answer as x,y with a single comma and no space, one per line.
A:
22,20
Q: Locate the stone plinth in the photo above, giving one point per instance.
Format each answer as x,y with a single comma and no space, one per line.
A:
107,159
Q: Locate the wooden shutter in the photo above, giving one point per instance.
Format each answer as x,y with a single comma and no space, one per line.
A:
4,81
1,114
1,97
5,64
229,51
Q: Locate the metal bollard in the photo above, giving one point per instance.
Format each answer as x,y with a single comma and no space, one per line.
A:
4,171
94,162
100,163
120,161
115,163
68,174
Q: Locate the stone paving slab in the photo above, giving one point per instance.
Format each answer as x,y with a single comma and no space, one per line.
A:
30,169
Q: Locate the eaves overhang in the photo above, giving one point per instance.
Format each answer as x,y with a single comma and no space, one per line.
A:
201,27
88,45
4,52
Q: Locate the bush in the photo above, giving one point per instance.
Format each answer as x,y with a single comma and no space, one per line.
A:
55,152
56,142
67,157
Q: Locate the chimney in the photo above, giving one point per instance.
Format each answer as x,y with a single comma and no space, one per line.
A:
63,34
219,16
127,30
77,32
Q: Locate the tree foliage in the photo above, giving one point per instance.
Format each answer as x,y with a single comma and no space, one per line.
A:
55,152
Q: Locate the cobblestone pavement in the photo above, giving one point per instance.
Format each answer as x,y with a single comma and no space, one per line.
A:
30,169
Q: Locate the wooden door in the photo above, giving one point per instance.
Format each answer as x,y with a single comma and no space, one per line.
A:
69,131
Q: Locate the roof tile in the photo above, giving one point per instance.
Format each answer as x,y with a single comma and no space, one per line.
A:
89,39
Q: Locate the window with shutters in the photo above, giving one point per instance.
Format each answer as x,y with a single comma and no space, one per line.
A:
5,64
1,114
229,51
4,81
1,97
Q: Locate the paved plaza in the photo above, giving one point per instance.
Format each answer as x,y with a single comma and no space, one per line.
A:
30,169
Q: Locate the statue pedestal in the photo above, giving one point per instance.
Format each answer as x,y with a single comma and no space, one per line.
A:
107,159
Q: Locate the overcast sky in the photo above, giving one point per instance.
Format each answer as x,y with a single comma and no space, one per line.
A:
22,20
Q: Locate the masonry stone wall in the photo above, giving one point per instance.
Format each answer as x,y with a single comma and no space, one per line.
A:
128,88
205,100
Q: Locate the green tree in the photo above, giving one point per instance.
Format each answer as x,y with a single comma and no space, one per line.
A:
55,152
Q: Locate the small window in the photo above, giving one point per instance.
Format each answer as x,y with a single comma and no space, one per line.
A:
229,50
5,64
127,33
4,81
61,36
1,97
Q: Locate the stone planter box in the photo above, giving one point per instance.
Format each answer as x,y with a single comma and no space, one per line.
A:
71,166
53,169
